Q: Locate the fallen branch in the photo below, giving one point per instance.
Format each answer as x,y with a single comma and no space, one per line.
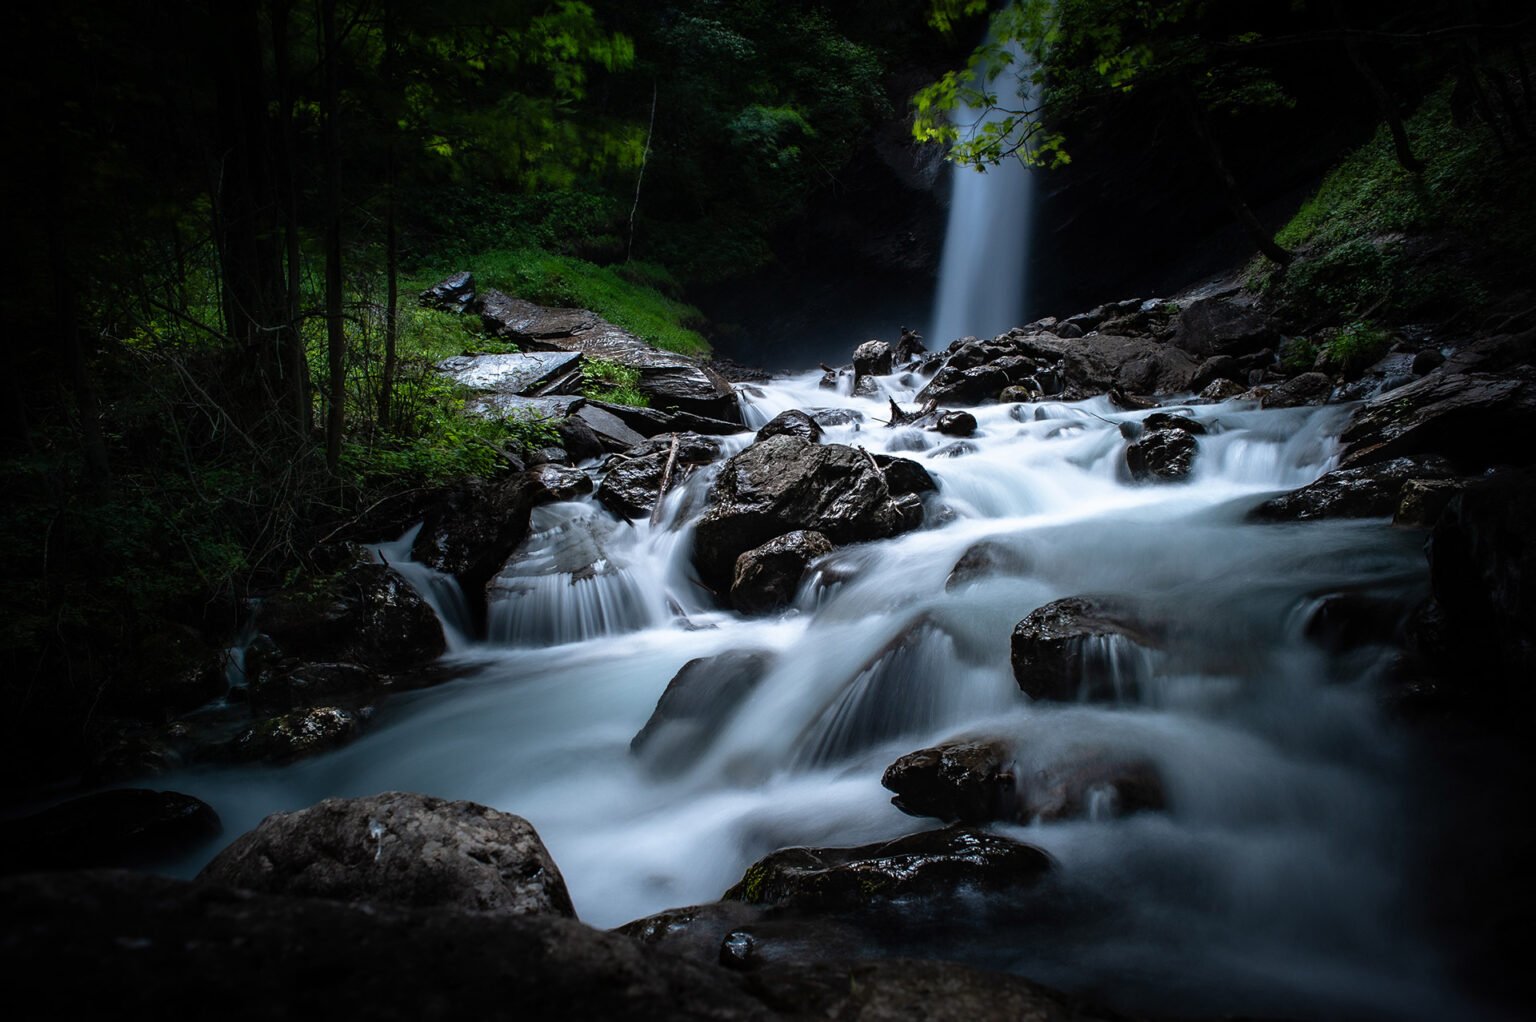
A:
666,480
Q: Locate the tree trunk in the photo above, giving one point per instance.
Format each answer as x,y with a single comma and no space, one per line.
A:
245,208
1384,101
296,362
391,240
336,338
1262,239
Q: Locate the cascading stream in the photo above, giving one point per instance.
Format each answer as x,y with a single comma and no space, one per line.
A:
1272,883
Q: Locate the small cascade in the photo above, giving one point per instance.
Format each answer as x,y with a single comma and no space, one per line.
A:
1117,669
982,273
900,691
572,580
439,591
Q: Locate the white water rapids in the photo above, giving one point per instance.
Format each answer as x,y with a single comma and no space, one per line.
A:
1274,882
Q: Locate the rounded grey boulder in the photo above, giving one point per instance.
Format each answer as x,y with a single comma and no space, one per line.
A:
402,849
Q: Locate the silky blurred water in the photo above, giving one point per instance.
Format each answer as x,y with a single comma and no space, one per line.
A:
1272,885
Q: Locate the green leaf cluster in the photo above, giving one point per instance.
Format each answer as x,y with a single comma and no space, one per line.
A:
602,380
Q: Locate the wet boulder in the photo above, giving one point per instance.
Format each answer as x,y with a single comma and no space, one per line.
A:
872,358
969,780
453,293
972,386
975,780
1476,410
368,614
558,483
929,864
1049,649
495,376
1306,389
612,433
400,849
1220,390
293,736
633,481
472,528
1215,368
905,476
835,417
698,700
549,454
1369,491
791,423
1169,420
1088,366
1162,455
786,483
1223,324
124,828
956,424
767,577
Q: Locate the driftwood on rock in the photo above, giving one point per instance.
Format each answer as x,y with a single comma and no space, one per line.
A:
901,418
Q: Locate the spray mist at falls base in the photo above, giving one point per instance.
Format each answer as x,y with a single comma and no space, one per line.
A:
1272,884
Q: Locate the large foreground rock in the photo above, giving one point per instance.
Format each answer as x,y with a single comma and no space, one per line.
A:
927,864
118,945
129,945
1049,648
399,849
786,483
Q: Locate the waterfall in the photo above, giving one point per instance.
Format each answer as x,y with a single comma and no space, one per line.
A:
1282,849
982,275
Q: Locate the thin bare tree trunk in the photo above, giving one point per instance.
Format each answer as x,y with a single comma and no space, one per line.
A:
336,338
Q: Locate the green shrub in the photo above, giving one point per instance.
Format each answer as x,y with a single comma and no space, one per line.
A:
608,381
1353,347
1372,240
